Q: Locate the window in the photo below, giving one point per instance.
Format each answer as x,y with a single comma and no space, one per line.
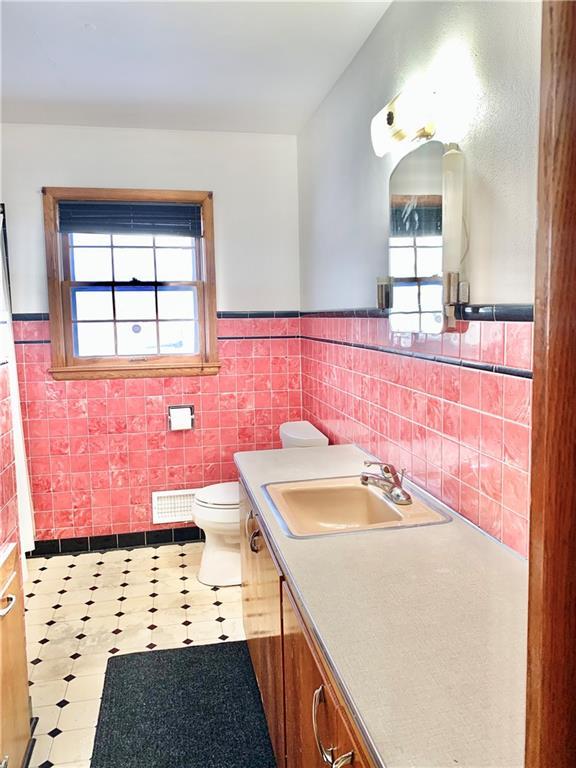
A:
131,283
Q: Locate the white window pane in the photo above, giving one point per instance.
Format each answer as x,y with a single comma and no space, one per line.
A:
404,323
175,264
401,262
94,339
136,338
179,338
133,240
430,241
87,238
92,305
177,304
431,298
432,322
429,262
405,298
91,264
401,242
173,241
135,303
133,264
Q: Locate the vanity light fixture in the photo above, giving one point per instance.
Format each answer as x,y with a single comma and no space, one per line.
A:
456,290
405,118
444,100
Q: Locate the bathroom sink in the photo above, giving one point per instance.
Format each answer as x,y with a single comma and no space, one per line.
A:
340,505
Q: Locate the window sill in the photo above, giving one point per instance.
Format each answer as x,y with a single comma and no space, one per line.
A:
132,371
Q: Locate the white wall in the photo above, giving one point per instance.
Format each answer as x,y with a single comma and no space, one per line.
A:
344,186
253,177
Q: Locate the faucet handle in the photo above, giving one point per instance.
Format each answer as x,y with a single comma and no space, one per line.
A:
388,471
382,465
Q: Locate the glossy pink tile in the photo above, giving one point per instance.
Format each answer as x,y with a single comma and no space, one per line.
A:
519,345
491,436
517,399
491,478
470,340
470,388
515,531
490,516
469,466
516,490
470,428
492,342
517,445
491,393
469,503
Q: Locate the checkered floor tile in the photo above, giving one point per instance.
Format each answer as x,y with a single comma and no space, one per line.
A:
82,609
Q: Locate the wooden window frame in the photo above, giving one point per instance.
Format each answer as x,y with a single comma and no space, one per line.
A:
67,366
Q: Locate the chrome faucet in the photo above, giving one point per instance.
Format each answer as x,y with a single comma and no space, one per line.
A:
386,481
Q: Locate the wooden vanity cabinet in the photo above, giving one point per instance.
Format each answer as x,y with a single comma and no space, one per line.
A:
303,709
261,609
14,700
315,723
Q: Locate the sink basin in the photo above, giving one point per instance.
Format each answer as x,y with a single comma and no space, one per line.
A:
343,504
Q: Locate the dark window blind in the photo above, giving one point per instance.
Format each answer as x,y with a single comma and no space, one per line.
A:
416,220
125,217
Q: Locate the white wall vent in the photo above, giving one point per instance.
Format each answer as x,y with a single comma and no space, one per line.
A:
173,506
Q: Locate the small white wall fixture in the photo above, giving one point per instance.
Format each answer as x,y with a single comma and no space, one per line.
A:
443,101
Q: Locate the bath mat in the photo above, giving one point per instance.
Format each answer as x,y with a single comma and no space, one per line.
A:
196,707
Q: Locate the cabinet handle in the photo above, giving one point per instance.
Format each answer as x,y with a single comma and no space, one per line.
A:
325,754
253,541
249,516
346,759
5,611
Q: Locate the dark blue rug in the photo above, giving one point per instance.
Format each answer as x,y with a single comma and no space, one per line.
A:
196,707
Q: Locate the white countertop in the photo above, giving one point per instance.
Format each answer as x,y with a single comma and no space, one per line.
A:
425,628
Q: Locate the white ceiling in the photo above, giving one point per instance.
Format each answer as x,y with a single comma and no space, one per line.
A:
229,66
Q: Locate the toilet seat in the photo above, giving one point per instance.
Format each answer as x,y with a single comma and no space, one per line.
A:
218,496
219,503
204,516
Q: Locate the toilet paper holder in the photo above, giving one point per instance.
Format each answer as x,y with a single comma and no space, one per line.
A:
180,417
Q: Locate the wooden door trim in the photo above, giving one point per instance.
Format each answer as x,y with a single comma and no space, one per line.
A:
551,704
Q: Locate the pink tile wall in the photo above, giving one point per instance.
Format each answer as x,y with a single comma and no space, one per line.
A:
496,343
462,434
8,504
97,449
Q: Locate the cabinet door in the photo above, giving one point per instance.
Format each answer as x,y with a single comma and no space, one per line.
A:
316,734
14,705
263,623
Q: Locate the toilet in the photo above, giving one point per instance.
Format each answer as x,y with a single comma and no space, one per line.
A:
217,513
301,434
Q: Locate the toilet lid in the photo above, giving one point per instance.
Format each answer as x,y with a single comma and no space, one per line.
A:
219,495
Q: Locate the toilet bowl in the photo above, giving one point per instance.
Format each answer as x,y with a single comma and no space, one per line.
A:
217,513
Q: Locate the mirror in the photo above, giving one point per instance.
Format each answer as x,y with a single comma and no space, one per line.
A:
425,238
415,263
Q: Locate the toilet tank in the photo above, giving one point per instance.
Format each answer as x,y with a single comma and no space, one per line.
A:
301,434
